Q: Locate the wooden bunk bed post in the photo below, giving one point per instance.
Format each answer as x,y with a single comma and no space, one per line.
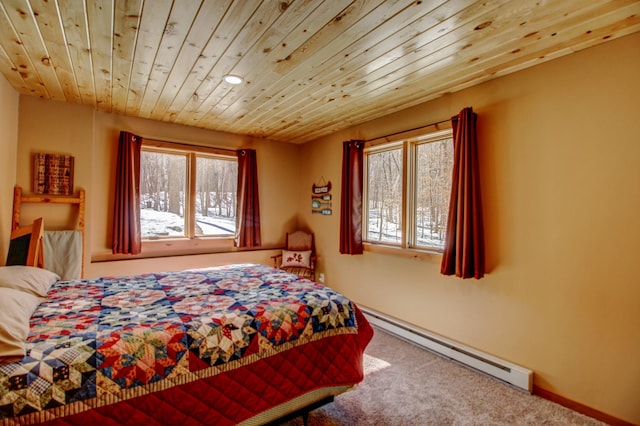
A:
81,202
17,202
19,199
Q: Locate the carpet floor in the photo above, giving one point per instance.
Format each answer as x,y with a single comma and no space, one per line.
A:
407,385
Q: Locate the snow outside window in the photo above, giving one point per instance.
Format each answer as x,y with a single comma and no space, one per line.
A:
407,190
187,194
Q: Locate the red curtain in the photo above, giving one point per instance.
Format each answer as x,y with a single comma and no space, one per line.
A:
248,211
464,243
351,199
126,206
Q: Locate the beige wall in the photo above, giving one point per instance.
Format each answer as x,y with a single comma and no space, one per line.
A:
560,157
55,128
9,100
91,137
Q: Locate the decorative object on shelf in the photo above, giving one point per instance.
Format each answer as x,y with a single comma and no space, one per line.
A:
321,197
53,174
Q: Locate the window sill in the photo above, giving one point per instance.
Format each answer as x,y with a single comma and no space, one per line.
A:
179,246
176,247
431,256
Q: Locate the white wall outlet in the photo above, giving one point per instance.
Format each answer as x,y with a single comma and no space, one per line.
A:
321,277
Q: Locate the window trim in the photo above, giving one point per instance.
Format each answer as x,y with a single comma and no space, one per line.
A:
408,141
378,148
190,241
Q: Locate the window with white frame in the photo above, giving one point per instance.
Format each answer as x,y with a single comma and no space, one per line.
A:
187,191
407,191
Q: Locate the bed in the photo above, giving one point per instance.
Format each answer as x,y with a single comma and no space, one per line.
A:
237,344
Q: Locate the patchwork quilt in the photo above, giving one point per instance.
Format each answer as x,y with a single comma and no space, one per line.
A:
241,338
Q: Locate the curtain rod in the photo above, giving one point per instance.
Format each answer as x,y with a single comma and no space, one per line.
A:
235,151
408,130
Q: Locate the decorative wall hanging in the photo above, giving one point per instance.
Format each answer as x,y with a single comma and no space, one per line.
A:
323,188
53,174
321,198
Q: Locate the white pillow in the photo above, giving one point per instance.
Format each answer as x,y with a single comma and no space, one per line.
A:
296,259
28,279
16,308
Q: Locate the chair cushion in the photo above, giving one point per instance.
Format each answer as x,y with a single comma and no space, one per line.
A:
299,240
296,258
301,272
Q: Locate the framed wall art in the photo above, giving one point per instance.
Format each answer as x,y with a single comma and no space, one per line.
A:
53,174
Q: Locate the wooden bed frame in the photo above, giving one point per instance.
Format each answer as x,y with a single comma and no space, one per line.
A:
79,201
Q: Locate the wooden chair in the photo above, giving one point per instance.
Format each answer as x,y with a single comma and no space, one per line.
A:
299,256
25,247
19,199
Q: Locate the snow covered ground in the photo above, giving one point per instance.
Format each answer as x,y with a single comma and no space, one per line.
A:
164,224
392,233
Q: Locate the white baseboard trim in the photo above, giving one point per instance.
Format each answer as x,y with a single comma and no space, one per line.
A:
505,371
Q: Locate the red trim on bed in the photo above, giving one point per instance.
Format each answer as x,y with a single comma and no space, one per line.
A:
231,397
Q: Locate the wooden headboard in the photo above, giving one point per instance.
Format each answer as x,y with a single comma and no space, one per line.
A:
79,201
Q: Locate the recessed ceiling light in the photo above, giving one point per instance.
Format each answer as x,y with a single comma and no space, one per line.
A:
233,79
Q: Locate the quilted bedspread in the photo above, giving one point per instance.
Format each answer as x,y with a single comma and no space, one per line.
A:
203,346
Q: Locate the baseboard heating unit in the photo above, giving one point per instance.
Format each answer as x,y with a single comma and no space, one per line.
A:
515,375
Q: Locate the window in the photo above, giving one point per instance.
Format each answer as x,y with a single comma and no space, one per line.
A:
187,192
407,190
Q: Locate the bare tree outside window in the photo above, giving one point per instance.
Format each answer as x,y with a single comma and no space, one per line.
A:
384,179
175,178
162,188
434,162
216,181
415,183
165,194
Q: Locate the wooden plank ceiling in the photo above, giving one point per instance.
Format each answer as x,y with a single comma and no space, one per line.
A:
310,67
